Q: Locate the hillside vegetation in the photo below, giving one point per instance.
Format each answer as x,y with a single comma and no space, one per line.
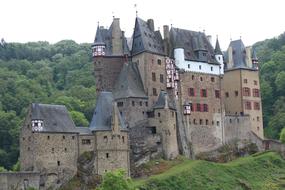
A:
261,171
58,73
271,55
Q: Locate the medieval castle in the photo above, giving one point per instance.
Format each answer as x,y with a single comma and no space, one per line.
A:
157,97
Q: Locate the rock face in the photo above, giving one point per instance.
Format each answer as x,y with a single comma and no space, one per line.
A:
85,170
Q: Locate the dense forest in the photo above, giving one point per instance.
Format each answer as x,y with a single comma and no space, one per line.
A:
271,54
58,73
61,73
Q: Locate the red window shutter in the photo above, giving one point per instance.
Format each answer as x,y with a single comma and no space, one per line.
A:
194,106
201,93
194,91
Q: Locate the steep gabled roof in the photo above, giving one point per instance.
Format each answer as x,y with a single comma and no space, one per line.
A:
55,117
145,39
164,101
191,42
103,114
217,48
129,83
238,54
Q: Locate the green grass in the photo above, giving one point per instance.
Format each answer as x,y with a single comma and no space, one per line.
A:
262,171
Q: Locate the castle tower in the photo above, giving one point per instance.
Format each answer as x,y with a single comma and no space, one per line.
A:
219,56
111,136
110,51
242,87
165,122
130,96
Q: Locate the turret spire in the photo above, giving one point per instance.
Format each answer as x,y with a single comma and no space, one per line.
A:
217,48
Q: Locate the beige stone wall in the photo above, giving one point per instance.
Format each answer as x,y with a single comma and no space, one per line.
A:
84,145
133,110
19,180
165,122
237,128
106,71
232,84
112,152
148,64
205,129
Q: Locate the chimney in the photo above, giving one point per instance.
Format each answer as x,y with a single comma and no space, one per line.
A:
150,24
116,22
210,39
166,32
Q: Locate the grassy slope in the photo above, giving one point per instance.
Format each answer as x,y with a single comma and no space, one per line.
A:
260,171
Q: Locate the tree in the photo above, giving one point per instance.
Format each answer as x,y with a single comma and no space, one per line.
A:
79,119
116,180
280,82
277,122
282,135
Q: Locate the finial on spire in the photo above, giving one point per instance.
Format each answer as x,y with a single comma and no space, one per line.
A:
113,14
98,23
136,10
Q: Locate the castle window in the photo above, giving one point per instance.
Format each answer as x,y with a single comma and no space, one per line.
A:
218,123
154,92
246,91
107,155
52,150
238,120
161,78
73,137
48,137
227,94
65,149
188,66
133,103
207,122
105,139
58,163
153,77
255,92
201,122
245,81
217,93
158,114
123,139
29,148
203,92
201,78
205,107
146,104
212,79
257,118
86,141
159,61
191,91
23,138
256,106
258,128
198,107
172,113
236,93
211,68
194,121
200,67
255,82
120,104
63,137
193,77
140,103
248,105
230,120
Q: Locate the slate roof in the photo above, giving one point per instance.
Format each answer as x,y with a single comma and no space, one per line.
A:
104,37
253,55
102,117
192,42
217,48
55,117
129,83
162,100
144,39
238,54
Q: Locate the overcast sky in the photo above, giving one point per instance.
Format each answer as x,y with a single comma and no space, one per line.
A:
55,20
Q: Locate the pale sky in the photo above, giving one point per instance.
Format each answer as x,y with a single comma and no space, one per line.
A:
55,20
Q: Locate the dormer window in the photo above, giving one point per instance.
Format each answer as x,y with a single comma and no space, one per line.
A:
187,109
99,50
37,125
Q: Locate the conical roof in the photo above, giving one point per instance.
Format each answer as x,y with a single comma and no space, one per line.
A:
164,101
99,38
217,48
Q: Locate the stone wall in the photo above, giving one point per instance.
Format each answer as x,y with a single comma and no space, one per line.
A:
19,180
86,143
112,151
205,130
106,72
237,127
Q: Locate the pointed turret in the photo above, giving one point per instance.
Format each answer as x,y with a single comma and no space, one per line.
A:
254,59
217,48
98,47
